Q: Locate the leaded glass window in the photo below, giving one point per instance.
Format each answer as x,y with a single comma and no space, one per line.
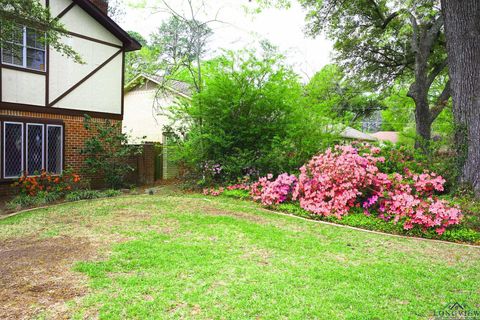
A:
34,148
54,148
12,149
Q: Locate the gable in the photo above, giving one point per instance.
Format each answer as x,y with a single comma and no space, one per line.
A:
78,21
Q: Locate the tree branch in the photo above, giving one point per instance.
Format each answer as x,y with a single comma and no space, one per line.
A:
441,102
436,71
414,41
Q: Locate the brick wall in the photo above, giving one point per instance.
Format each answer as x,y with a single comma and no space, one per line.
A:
75,136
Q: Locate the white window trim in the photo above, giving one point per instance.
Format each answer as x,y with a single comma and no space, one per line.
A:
24,53
27,143
61,148
5,123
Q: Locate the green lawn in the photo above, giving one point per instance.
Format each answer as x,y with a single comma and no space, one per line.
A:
188,256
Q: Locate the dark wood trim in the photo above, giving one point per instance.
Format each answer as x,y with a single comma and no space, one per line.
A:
60,111
47,76
7,66
65,11
81,36
88,76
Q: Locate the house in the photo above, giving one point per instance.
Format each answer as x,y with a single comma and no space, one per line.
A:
44,95
147,98
143,97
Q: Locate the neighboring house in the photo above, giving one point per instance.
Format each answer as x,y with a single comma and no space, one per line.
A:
142,117
145,97
354,134
44,95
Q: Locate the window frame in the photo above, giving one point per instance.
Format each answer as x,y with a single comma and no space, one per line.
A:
4,125
25,48
24,122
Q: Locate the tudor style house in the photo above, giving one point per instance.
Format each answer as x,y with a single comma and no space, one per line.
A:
44,95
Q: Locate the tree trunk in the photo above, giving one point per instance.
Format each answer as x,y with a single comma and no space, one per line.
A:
462,30
423,120
423,126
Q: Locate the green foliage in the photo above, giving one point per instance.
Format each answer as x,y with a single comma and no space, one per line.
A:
333,95
31,13
399,112
40,199
141,61
43,198
182,44
107,152
91,194
250,119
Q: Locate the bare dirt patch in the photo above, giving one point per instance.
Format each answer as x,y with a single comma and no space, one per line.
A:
36,276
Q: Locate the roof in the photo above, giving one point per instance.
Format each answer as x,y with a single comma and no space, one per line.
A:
351,133
391,136
129,43
178,87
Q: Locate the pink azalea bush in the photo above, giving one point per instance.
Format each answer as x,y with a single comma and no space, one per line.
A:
411,199
334,182
274,192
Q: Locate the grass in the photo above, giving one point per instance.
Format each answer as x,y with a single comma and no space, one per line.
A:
187,256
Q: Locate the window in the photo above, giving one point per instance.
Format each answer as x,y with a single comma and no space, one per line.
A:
12,149
25,48
54,148
34,148
30,148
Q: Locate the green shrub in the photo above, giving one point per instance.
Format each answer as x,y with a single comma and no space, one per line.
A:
40,199
107,152
91,194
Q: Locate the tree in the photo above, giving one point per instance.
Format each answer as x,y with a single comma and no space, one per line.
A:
380,41
182,42
144,60
462,28
251,118
337,97
15,13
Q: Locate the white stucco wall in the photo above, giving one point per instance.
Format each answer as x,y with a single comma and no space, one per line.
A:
23,87
57,6
78,21
138,118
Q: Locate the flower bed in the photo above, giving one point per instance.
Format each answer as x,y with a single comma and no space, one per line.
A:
346,181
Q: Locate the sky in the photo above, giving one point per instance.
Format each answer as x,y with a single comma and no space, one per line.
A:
239,29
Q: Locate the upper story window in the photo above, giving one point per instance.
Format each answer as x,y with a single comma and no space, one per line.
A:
26,49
